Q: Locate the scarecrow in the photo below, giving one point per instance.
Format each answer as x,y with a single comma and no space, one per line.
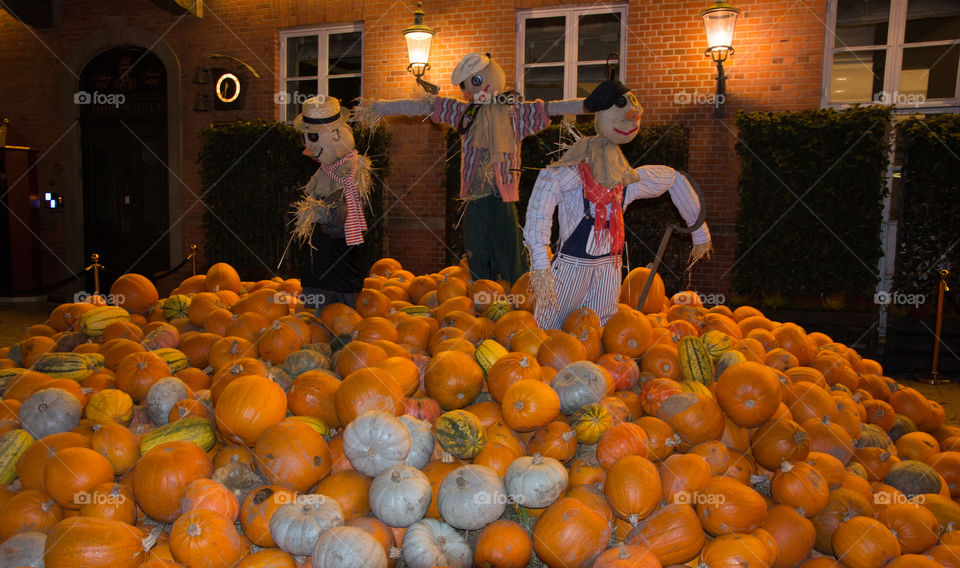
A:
591,185
329,219
492,124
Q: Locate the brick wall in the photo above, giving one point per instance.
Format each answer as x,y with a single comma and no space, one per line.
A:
778,43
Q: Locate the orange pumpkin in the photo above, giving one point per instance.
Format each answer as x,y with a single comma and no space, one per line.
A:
162,476
367,389
204,537
453,379
248,406
503,544
627,332
568,533
529,404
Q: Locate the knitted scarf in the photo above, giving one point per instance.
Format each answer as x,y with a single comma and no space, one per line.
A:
356,223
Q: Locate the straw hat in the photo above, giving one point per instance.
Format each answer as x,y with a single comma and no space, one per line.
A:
470,65
320,113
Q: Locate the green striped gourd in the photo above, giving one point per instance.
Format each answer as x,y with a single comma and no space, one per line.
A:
93,322
191,429
695,361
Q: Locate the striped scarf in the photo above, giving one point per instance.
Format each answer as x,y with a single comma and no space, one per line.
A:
356,223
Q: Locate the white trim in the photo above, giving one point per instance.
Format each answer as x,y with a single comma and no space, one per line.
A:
321,33
896,29
571,42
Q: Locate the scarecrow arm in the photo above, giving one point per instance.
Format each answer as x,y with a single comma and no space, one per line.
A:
567,106
369,112
655,181
536,236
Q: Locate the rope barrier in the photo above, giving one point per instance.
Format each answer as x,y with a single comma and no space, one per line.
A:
99,267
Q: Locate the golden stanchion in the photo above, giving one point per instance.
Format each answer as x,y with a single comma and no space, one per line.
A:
935,379
95,266
193,258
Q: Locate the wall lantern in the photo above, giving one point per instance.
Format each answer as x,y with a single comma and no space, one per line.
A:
719,21
419,36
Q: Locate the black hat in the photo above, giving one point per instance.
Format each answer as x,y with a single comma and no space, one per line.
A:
605,95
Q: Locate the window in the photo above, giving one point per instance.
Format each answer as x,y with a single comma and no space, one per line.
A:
903,52
563,52
326,60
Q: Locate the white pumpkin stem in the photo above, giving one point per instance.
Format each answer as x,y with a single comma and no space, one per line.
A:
447,457
673,441
150,540
633,519
395,476
568,435
537,459
786,467
193,530
208,370
624,552
47,505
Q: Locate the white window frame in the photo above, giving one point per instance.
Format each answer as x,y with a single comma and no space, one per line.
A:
322,33
571,35
894,48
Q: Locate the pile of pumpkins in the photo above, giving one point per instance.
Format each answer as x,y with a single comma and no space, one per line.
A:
435,424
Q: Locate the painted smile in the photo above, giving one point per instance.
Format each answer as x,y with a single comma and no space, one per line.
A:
625,133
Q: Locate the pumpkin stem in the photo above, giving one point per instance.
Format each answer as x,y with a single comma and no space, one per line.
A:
826,420
568,435
786,467
42,407
461,482
194,531
395,552
395,476
47,505
537,459
624,552
633,519
150,540
673,441
447,457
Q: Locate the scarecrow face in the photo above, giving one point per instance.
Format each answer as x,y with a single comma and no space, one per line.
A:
620,122
327,145
484,84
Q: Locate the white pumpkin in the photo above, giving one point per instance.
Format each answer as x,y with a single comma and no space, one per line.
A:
49,411
375,441
429,542
400,495
535,481
296,526
471,497
23,549
162,396
580,383
421,435
347,547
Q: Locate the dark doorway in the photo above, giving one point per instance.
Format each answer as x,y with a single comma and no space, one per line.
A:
123,122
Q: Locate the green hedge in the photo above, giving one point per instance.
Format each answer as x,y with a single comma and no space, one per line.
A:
929,222
646,220
811,195
251,172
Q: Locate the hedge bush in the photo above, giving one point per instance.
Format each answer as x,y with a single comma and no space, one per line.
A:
646,221
811,196
929,225
251,172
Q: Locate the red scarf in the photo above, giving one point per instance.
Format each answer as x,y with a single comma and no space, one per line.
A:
356,223
601,197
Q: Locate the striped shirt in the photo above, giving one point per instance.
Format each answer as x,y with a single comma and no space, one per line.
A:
561,188
526,118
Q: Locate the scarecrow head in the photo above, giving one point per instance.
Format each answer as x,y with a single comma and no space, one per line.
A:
479,78
326,134
617,111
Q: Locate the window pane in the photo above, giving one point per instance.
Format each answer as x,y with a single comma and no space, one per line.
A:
598,35
862,22
544,39
588,77
932,20
930,72
857,76
544,83
346,89
302,56
297,92
345,52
